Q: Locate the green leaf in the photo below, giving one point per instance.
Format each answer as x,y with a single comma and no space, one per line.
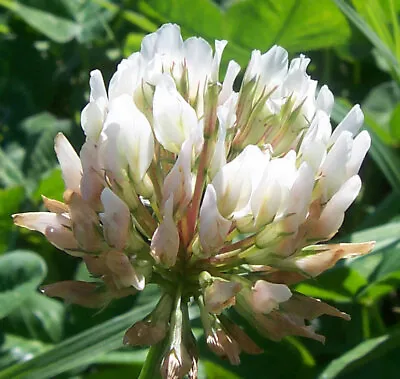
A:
16,349
381,267
41,130
10,200
124,357
297,25
370,34
40,318
363,353
82,349
51,185
384,212
378,107
196,17
21,271
339,284
10,173
133,17
91,18
255,24
395,123
215,371
384,235
56,28
380,288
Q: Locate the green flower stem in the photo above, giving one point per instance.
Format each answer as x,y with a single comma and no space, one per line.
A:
151,366
365,322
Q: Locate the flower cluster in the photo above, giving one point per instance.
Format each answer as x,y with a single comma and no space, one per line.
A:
221,197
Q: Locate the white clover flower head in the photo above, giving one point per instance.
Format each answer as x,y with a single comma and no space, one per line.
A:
221,197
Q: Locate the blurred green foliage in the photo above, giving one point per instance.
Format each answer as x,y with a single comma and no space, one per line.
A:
48,47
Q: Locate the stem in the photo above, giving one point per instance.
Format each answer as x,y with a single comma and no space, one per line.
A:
241,244
380,325
152,362
366,328
156,180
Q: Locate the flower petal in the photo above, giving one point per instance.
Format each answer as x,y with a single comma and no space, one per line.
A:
351,123
267,296
165,242
213,228
174,119
323,257
178,182
116,219
69,161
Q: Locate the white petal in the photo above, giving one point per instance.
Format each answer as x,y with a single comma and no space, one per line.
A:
116,219
219,48
148,46
283,170
267,296
265,202
179,180
314,145
253,69
361,145
92,182
92,118
113,161
351,123
301,63
134,138
127,77
274,67
272,193
219,157
165,242
69,161
97,88
198,58
232,194
325,100
213,228
169,40
39,221
300,196
227,86
227,111
333,169
174,119
332,215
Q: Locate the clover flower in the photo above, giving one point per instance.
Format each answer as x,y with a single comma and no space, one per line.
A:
221,197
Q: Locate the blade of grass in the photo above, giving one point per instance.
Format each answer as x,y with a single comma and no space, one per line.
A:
370,34
79,350
130,16
378,22
396,28
361,354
